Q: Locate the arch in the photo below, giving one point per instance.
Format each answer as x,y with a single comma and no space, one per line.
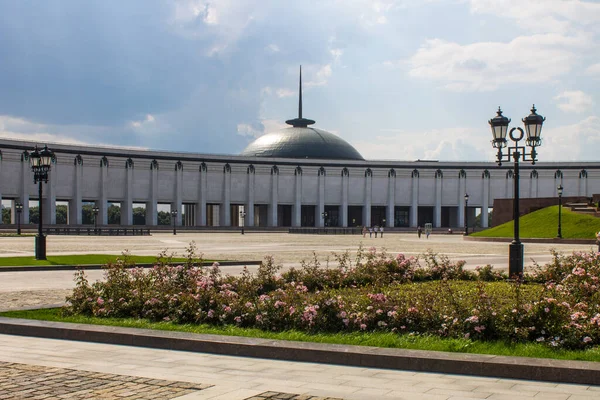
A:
298,170
78,160
485,174
321,171
104,161
439,173
462,174
250,169
275,170
415,173
558,174
583,174
534,174
345,172
227,168
510,174
202,167
178,166
392,173
368,172
154,164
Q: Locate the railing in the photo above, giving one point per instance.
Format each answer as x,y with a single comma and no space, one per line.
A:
97,231
327,231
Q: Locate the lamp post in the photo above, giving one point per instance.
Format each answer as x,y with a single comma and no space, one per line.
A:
533,125
19,210
559,189
174,218
466,218
243,217
324,215
40,162
95,210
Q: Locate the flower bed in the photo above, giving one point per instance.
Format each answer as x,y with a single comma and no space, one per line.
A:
557,304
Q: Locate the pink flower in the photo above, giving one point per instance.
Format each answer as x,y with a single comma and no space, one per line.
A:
100,301
587,339
363,327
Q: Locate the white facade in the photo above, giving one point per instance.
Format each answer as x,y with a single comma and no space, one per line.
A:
210,190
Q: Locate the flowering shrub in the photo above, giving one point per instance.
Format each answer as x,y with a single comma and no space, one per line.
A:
558,304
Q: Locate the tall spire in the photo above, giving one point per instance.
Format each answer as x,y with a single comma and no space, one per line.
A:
300,122
300,98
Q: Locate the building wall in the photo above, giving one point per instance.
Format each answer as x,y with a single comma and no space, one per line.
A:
227,181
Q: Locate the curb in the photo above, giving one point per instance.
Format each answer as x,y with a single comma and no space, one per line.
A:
531,240
580,372
101,266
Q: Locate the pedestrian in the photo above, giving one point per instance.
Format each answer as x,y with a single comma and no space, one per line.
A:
427,232
419,231
381,231
376,229
364,231
370,232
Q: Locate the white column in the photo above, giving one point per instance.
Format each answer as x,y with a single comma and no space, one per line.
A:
152,204
249,220
297,220
438,201
103,201
75,216
178,192
389,218
367,202
49,193
462,189
26,178
127,203
226,203
272,218
414,204
320,197
344,206
486,200
201,205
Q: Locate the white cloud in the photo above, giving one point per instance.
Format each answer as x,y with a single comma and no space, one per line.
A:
574,101
272,48
576,142
561,16
265,126
485,66
143,123
284,92
593,70
317,75
248,130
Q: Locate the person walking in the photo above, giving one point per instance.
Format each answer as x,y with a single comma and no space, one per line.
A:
364,231
370,232
381,231
419,231
376,229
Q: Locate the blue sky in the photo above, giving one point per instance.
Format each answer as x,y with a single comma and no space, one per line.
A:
398,79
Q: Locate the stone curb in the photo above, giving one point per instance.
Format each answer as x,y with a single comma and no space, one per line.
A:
579,372
531,240
100,266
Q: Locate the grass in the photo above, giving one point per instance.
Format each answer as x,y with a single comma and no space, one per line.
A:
544,224
82,259
376,339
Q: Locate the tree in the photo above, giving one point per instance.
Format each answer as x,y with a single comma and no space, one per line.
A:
139,216
114,214
61,214
164,218
6,215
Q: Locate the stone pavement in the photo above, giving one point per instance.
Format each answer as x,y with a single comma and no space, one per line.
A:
240,378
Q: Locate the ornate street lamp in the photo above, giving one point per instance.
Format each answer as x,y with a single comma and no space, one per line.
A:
466,218
95,210
243,217
19,210
174,218
324,215
533,125
40,162
559,189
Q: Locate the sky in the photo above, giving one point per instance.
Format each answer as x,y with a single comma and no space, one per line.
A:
397,79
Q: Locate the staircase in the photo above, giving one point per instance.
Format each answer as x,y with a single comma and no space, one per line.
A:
584,208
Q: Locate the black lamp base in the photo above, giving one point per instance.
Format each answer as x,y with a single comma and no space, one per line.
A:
40,247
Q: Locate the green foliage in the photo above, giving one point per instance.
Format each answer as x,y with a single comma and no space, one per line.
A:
164,218
6,215
114,215
544,224
81,259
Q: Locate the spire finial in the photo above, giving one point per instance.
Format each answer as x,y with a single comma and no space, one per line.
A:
300,98
300,122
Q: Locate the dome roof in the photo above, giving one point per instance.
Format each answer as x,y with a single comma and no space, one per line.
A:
302,142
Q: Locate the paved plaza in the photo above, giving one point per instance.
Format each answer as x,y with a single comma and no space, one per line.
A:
47,368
